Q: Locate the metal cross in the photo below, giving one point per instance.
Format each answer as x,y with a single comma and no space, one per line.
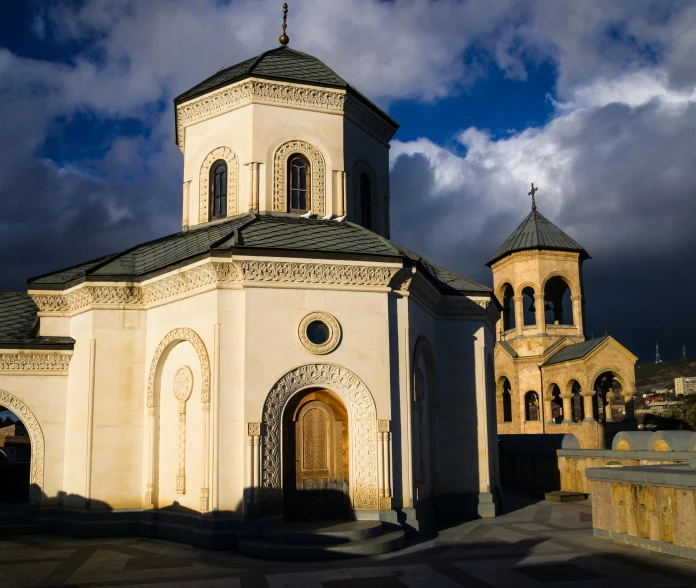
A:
531,193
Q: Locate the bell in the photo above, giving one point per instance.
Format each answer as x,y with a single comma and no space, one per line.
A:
532,308
547,306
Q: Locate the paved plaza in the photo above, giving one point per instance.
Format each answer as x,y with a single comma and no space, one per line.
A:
542,544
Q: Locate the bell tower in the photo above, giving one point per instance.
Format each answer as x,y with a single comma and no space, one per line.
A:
537,278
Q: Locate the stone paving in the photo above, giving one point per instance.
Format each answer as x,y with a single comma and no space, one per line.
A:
541,544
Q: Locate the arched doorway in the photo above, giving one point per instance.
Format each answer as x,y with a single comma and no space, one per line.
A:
315,457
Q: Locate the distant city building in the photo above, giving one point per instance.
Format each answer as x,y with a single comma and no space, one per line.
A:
685,385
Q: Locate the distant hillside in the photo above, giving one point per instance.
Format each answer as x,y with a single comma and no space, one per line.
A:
661,375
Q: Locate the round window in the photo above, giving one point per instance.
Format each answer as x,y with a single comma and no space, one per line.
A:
318,332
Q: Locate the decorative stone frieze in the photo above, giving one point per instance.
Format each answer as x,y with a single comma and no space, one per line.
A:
368,120
317,273
257,92
31,362
230,158
36,470
215,273
363,430
280,175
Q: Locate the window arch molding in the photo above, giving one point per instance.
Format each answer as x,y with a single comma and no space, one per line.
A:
573,286
230,158
280,178
359,168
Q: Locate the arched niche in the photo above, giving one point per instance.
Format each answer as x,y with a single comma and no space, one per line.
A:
165,346
558,309
361,168
31,424
424,415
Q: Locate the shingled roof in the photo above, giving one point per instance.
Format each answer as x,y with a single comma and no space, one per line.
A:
576,351
281,63
537,232
254,234
19,324
285,65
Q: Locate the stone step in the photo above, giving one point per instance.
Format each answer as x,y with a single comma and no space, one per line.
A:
264,549
323,532
18,528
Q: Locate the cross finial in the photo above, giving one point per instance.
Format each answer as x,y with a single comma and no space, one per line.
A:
531,193
284,39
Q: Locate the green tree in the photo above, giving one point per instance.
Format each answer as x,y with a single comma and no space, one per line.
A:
685,413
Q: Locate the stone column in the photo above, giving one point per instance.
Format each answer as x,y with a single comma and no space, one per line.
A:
548,409
577,312
587,402
540,314
567,407
252,490
187,197
254,186
607,406
181,466
384,450
519,314
205,490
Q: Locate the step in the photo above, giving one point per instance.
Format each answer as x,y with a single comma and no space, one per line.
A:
18,528
565,496
323,532
264,549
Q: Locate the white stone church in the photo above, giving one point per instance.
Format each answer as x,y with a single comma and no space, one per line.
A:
279,358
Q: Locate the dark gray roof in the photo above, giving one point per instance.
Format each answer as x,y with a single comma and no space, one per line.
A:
576,351
537,232
281,63
505,345
265,233
19,324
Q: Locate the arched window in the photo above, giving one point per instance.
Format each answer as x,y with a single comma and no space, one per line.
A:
528,302
577,403
556,405
508,308
507,404
531,406
299,192
365,202
558,309
218,190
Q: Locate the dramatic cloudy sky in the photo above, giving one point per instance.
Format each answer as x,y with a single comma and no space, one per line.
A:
594,101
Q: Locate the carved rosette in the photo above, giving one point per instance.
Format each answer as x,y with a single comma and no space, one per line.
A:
362,429
334,333
230,158
280,175
183,383
360,168
36,470
176,336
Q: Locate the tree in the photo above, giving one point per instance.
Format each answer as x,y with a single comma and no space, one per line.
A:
685,413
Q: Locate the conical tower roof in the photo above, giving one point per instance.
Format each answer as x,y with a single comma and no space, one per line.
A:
537,232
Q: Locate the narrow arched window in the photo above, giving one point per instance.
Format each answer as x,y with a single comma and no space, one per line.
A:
531,406
365,202
218,190
299,192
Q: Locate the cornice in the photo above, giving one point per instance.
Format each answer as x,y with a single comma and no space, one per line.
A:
244,271
15,361
256,91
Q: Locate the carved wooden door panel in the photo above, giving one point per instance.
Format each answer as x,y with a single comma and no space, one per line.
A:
319,476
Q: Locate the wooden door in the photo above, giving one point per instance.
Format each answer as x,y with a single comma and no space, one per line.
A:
319,484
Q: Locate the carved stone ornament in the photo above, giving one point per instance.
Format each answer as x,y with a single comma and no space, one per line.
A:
362,429
317,273
176,336
257,92
253,429
360,168
215,273
280,175
331,342
230,158
369,120
36,468
30,362
183,383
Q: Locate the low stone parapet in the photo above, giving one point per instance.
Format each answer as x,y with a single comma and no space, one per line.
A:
653,507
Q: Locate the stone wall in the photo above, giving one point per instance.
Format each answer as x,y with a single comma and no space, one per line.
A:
653,507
